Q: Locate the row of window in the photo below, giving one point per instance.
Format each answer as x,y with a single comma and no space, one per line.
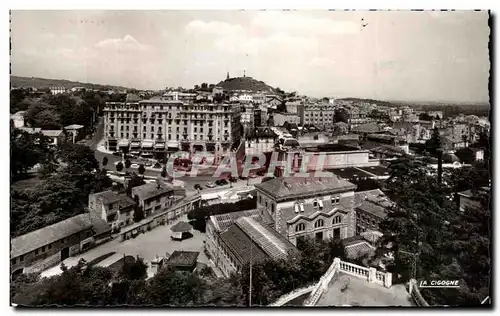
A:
319,223
160,136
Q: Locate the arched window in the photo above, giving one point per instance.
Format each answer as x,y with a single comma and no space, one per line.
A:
300,227
319,223
337,219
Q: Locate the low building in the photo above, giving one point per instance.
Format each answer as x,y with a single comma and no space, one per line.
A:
301,207
371,208
18,119
153,197
279,119
235,239
117,210
183,260
56,137
387,152
58,90
46,247
76,132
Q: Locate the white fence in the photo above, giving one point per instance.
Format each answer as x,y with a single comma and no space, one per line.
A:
415,294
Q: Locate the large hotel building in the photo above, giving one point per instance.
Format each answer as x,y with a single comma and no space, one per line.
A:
163,125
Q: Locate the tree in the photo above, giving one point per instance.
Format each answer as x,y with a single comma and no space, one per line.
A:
134,270
26,150
133,182
141,170
425,117
119,166
164,172
104,161
138,213
341,115
127,163
340,128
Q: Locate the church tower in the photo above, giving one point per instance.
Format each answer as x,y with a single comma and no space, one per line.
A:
227,77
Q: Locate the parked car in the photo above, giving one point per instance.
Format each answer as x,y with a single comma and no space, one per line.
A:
210,184
221,182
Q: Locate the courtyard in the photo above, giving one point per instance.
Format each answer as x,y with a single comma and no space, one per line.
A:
345,290
156,242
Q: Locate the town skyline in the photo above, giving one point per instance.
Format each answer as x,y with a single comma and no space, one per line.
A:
110,47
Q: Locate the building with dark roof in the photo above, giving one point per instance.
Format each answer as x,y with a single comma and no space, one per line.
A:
371,208
246,239
115,209
183,260
52,244
309,206
153,197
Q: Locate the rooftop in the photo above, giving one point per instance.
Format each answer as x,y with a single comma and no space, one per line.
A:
243,248
388,150
367,128
360,292
377,170
52,133
49,234
374,202
224,221
349,173
291,187
150,190
183,258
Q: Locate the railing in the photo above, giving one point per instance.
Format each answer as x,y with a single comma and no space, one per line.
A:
380,276
415,294
354,269
293,295
323,283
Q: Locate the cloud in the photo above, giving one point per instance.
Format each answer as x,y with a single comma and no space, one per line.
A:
214,27
128,43
303,24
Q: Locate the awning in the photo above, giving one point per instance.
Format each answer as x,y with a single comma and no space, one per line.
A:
173,144
135,144
160,145
135,153
123,143
147,144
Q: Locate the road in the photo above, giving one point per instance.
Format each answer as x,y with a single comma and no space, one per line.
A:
98,135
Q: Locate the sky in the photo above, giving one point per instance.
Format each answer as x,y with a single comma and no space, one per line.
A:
398,55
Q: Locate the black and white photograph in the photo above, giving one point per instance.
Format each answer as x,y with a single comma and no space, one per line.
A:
250,158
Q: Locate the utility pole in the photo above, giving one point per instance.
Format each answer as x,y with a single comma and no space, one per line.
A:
251,262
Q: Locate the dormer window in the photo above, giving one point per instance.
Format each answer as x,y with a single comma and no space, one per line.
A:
320,203
301,205
335,199
315,203
297,208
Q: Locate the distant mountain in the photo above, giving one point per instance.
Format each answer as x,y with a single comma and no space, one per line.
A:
245,83
43,83
377,102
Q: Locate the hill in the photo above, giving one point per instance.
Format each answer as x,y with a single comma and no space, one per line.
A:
43,83
377,102
245,83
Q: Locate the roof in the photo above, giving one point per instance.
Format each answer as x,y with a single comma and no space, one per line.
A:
183,258
52,133
349,173
109,197
268,239
31,130
376,170
367,128
49,234
389,150
74,126
98,224
311,213
359,249
289,187
150,190
242,246
224,221
374,202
